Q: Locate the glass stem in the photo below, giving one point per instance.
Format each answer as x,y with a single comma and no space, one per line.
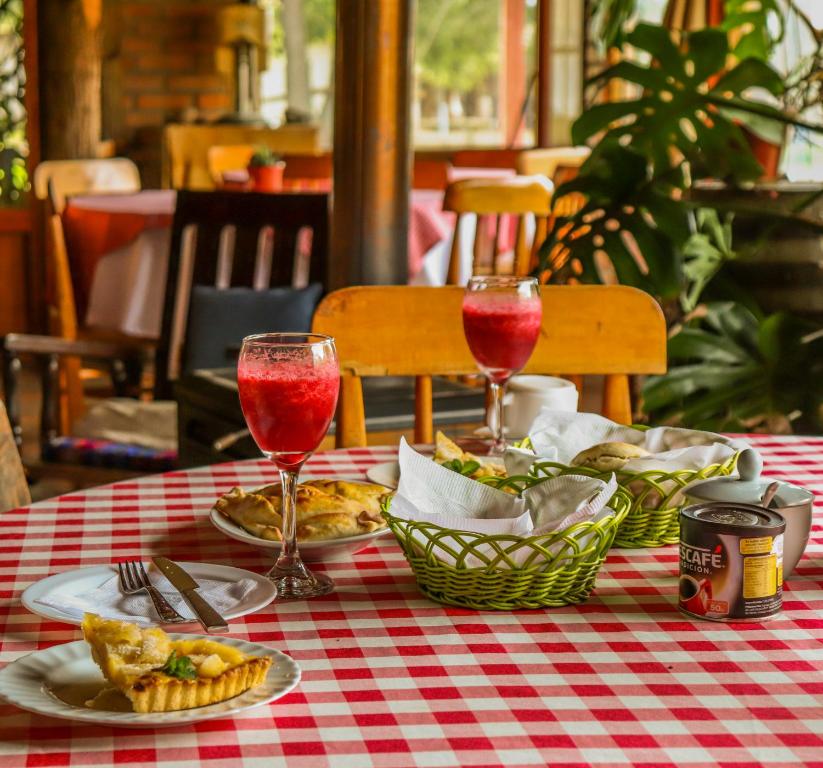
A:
495,417
289,559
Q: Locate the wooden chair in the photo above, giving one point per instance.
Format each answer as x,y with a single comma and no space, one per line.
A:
57,180
219,239
14,490
546,161
186,148
227,157
417,331
308,172
54,182
517,196
225,239
486,158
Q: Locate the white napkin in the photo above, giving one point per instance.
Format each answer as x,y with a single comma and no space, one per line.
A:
107,600
430,493
559,502
560,436
448,495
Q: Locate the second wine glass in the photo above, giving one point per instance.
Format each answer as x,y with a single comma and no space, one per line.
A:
501,319
288,386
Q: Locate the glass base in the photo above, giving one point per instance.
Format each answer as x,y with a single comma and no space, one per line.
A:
300,585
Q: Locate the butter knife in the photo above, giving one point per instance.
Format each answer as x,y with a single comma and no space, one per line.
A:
211,620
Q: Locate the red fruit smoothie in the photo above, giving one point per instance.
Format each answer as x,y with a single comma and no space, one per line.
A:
288,406
501,331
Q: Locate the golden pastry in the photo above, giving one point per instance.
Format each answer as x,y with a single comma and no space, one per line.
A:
159,674
326,509
608,457
447,452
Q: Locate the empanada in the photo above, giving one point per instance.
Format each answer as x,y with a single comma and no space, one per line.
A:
446,450
326,509
252,512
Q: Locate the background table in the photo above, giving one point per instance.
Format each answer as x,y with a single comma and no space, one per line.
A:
118,246
392,679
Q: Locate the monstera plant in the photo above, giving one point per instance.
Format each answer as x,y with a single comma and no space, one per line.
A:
650,151
730,365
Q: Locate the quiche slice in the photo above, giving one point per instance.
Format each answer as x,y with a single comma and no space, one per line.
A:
159,674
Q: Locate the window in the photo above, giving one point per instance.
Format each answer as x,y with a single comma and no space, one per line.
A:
474,69
297,83
13,145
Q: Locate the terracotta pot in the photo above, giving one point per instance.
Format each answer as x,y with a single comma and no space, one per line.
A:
267,178
767,153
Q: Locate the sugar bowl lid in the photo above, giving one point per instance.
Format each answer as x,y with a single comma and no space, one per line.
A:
749,487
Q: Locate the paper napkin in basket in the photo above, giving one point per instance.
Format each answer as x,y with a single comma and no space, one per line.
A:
564,435
560,436
431,493
107,600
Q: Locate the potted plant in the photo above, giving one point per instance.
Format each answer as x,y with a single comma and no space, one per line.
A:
266,171
642,224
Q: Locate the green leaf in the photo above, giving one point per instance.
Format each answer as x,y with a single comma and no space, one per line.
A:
598,118
708,49
657,41
751,73
694,343
180,667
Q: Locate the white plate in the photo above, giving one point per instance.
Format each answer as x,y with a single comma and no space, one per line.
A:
387,473
28,683
83,580
310,551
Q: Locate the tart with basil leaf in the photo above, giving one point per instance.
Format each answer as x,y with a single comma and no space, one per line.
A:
159,674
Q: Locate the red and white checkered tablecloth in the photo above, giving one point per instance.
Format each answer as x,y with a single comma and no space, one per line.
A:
392,679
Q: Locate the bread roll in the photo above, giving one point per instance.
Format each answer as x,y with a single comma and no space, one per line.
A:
608,457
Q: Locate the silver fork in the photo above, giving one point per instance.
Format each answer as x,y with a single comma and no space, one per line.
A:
134,579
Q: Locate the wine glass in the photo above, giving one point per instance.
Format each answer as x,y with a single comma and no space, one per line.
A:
501,320
288,386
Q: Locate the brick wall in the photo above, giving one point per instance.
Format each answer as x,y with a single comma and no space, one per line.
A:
158,66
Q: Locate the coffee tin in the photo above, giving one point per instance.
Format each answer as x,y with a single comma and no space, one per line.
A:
731,561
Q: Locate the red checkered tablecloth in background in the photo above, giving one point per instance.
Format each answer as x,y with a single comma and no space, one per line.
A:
392,679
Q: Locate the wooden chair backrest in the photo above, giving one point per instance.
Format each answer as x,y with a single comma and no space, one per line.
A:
59,179
546,161
486,158
227,157
417,331
226,239
430,174
308,172
14,490
519,196
186,147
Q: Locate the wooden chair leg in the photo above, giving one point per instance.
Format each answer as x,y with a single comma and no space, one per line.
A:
423,416
616,400
351,414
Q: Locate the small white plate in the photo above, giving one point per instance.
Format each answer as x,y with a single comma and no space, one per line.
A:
82,580
30,682
310,551
387,473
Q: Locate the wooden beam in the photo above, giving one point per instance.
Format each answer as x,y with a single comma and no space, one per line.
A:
513,73
544,73
372,142
70,61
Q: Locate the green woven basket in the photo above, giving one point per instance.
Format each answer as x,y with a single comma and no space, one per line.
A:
656,498
485,574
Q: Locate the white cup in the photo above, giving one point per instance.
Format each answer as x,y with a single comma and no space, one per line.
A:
527,395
